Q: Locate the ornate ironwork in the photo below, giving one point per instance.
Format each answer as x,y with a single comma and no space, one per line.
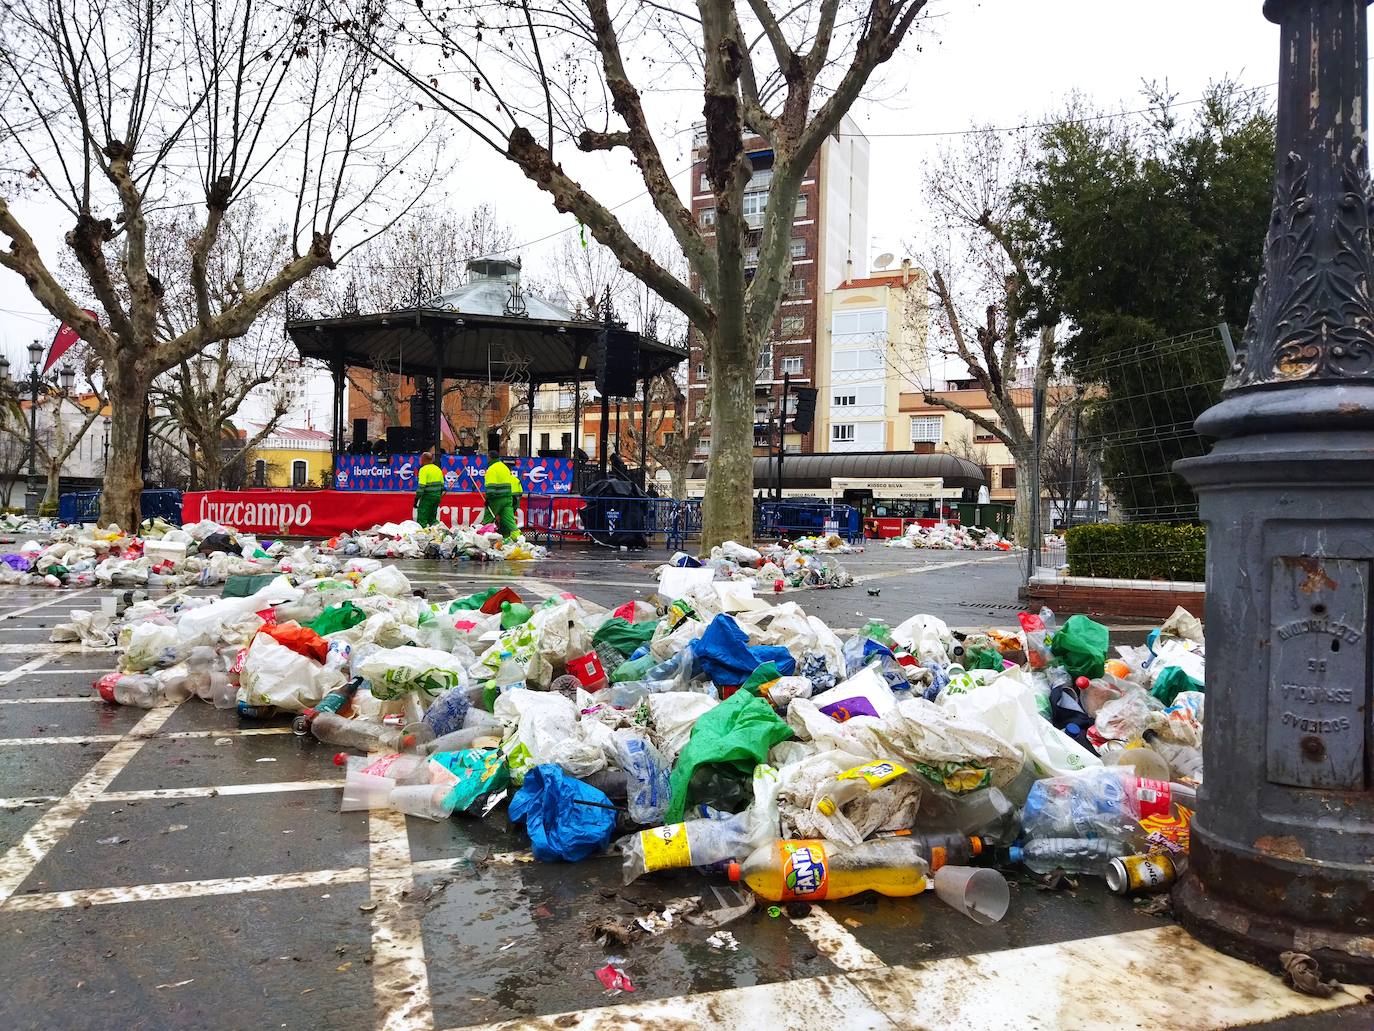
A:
515,304
1313,318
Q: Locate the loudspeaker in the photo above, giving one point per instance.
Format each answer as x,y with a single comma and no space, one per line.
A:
805,414
618,368
493,442
422,411
359,432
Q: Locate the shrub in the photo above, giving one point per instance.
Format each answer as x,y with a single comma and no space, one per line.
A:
1138,551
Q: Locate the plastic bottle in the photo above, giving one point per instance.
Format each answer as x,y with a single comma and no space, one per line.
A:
334,701
334,729
813,870
943,849
468,737
987,813
427,801
248,711
859,781
647,776
136,689
1101,802
400,767
690,843
1072,855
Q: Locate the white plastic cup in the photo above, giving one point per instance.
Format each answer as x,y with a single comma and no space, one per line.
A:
365,791
980,894
109,605
423,800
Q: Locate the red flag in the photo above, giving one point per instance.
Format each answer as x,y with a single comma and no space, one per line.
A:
62,343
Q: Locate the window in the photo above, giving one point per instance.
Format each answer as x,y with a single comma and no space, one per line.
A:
566,444
668,438
796,288
544,442
701,370
705,183
859,359
792,365
798,247
927,428
765,366
841,432
845,400
707,216
524,444
1008,477
260,473
792,325
300,472
853,327
801,205
751,256
752,206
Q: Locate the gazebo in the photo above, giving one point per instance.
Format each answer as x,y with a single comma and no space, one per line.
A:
487,329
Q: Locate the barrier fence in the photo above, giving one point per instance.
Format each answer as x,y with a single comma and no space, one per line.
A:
84,506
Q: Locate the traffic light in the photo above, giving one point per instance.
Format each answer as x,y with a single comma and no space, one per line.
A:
805,414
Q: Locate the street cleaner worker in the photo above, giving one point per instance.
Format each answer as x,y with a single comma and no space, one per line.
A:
502,488
431,491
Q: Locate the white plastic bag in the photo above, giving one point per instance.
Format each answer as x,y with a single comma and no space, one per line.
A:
925,637
388,580
864,695
275,675
203,625
543,728
394,671
891,806
149,646
674,714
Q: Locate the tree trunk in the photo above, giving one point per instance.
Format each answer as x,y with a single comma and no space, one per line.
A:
119,503
677,477
1021,516
54,485
728,508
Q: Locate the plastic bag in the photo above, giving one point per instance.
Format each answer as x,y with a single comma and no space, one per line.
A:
674,713
387,580
864,694
336,618
275,675
1081,645
892,806
723,654
480,773
735,736
394,671
565,818
648,773
545,730
299,639
149,646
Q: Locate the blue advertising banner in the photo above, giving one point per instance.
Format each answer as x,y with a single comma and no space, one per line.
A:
462,473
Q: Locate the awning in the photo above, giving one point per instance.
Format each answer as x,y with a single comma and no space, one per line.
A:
815,472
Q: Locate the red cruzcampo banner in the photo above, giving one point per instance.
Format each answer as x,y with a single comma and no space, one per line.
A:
324,513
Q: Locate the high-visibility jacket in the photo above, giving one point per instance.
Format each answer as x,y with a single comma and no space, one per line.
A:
431,475
500,479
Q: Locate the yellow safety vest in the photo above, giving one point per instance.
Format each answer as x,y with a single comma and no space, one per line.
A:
431,474
500,476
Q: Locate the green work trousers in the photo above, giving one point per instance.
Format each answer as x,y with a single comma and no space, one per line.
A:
501,511
427,505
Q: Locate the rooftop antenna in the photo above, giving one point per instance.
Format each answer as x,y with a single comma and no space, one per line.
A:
883,260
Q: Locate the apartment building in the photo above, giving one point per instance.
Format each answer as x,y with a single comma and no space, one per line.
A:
829,245
872,346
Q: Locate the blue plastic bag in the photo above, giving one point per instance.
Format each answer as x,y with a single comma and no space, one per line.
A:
565,818
723,654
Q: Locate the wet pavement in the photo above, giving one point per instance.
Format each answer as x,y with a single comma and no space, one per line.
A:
178,869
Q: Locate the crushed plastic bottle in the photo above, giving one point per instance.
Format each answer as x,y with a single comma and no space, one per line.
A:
647,773
851,784
1072,855
337,730
690,843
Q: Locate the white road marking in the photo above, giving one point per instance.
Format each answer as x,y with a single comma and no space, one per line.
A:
78,739
917,570
9,676
44,604
833,941
28,801
52,649
183,889
230,732
1090,984
52,826
400,980
221,790
83,699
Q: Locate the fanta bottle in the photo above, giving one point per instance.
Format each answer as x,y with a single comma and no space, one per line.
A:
809,870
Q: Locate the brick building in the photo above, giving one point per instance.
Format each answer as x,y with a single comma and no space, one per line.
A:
829,245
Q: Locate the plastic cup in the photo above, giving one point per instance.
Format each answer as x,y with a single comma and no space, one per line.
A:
365,791
1146,762
980,894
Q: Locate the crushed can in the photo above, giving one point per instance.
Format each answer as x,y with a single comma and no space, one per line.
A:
1139,875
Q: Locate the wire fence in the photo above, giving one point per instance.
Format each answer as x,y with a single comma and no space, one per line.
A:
1112,435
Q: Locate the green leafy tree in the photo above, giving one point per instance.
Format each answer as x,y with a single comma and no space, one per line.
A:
1136,232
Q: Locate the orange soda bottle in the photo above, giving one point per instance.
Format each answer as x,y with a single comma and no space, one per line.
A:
811,870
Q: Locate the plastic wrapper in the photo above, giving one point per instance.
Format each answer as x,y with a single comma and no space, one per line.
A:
275,675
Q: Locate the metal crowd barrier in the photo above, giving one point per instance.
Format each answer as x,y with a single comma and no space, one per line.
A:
548,518
805,519
84,506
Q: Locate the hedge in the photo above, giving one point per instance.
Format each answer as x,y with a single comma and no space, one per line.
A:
1138,551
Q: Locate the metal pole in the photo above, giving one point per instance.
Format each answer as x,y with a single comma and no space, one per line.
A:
1070,497
529,432
1281,849
604,433
1037,429
782,430
31,500
644,440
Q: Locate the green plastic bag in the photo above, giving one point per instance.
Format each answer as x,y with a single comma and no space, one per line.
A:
472,601
1081,645
624,636
336,618
983,658
514,614
765,674
480,771
633,669
242,585
736,734
1171,682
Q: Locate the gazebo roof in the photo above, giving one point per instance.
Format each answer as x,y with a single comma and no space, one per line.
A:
814,472
486,329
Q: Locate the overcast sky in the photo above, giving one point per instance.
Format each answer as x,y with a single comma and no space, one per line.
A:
1000,62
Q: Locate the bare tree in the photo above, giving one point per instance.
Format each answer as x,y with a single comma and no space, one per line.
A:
977,274
61,427
122,113
530,81
668,407
14,456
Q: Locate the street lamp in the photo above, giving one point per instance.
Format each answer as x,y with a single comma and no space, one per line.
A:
1281,854
35,384
105,447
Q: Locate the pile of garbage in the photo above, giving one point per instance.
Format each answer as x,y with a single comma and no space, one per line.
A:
772,567
409,539
208,553
948,537
709,727
11,522
826,544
